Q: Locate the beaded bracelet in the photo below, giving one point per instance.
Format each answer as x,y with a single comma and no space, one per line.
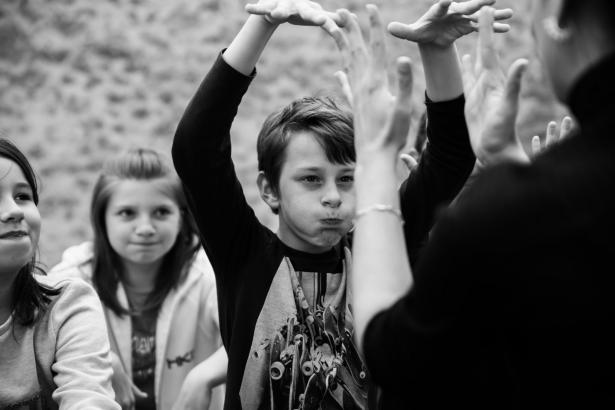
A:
379,208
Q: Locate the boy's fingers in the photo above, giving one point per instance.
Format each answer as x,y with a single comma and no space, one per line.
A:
500,14
442,7
551,136
535,145
376,39
470,7
501,28
487,55
315,16
400,30
342,79
262,7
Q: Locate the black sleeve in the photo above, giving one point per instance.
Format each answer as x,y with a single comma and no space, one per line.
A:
202,158
444,167
466,280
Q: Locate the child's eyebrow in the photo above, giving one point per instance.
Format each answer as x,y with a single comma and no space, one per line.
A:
22,185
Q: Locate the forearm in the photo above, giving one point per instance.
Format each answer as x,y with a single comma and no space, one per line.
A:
248,45
442,72
212,371
381,268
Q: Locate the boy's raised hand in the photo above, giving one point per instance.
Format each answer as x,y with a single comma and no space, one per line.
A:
492,99
297,12
381,120
446,21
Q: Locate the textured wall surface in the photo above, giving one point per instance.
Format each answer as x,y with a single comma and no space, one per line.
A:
81,80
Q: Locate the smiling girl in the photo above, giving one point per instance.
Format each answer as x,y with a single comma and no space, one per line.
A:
157,288
54,351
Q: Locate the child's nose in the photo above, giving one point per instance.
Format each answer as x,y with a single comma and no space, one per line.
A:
145,228
10,211
331,197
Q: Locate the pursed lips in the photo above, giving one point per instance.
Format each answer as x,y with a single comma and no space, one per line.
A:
332,221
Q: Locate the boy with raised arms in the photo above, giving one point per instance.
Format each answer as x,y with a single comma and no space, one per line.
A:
284,316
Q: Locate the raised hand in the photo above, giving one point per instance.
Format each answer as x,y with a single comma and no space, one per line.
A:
492,99
446,21
552,136
381,120
298,12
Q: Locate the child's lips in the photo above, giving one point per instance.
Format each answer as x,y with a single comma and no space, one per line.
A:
13,235
332,221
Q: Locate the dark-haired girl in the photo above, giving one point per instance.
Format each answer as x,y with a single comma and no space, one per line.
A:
54,351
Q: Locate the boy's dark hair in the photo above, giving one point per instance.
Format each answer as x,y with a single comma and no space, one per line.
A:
30,298
138,164
332,126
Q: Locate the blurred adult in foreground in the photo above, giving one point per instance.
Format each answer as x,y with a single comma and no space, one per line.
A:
510,305
54,351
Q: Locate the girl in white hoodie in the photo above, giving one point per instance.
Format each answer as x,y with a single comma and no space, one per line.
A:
156,285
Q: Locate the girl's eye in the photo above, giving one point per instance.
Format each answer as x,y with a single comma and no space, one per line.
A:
347,179
162,212
311,179
126,213
23,197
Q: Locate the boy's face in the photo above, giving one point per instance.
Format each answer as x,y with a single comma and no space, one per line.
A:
316,197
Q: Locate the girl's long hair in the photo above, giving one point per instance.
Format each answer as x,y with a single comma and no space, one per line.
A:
138,164
30,298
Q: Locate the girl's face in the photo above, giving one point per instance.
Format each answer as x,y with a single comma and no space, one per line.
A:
20,221
142,220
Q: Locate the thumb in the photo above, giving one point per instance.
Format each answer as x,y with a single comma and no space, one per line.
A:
409,161
400,30
138,392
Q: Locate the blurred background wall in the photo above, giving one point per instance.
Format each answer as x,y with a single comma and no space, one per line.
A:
82,80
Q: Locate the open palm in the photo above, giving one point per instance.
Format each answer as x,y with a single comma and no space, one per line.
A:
447,21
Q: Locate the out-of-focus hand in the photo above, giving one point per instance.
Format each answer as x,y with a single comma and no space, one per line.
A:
195,393
297,12
492,99
381,120
126,393
446,21
552,136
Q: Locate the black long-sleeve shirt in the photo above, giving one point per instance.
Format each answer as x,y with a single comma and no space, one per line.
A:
245,255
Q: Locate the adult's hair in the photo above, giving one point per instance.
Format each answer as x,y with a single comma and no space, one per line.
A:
107,270
30,298
331,125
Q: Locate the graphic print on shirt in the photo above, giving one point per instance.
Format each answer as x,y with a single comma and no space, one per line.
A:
302,354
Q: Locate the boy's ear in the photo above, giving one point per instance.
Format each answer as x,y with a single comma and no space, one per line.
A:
268,193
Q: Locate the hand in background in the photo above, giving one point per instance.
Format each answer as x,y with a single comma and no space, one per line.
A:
446,21
297,12
492,99
552,137
195,393
381,120
126,393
